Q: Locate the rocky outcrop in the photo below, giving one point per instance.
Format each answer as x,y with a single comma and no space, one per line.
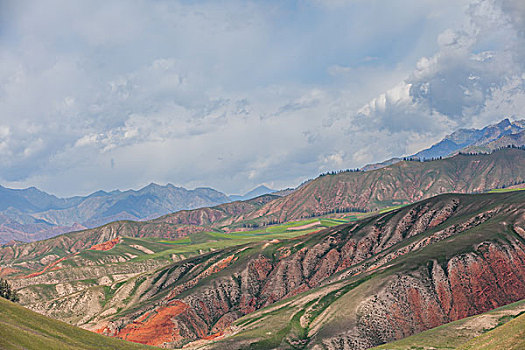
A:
468,284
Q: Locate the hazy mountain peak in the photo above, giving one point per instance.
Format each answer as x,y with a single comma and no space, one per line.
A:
256,192
467,137
34,214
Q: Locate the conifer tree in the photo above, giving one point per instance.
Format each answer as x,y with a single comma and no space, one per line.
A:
6,291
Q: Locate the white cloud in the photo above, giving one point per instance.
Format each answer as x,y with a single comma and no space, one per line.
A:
118,94
464,83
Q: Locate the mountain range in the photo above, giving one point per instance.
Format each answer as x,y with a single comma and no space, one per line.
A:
463,138
338,194
484,140
30,214
348,260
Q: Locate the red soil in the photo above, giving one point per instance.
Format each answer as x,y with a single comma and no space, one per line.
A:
50,267
213,336
156,329
106,245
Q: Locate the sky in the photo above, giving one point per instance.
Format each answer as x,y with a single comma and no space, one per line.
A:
116,94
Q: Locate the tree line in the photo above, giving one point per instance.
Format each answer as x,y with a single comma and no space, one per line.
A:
6,291
356,170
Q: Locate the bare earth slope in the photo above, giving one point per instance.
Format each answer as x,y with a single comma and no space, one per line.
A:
401,183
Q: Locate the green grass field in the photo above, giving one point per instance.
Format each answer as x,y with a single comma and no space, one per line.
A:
21,328
203,242
502,190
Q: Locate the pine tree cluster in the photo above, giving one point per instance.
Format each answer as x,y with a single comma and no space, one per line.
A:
6,291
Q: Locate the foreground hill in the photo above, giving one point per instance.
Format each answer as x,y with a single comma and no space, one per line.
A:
24,329
358,285
378,280
30,214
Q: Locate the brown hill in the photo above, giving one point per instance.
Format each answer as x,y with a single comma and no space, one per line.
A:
400,183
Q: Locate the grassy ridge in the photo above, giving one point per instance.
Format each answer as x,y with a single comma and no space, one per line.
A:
510,336
24,329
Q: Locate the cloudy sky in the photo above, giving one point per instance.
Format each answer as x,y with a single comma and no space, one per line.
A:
232,94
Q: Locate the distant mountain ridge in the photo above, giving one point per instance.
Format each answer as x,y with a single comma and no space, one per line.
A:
256,192
516,140
463,138
30,214
485,140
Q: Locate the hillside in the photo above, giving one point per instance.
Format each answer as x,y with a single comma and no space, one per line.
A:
24,329
502,328
391,276
30,214
379,279
398,184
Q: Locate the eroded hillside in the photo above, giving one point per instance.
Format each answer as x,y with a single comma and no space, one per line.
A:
354,286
